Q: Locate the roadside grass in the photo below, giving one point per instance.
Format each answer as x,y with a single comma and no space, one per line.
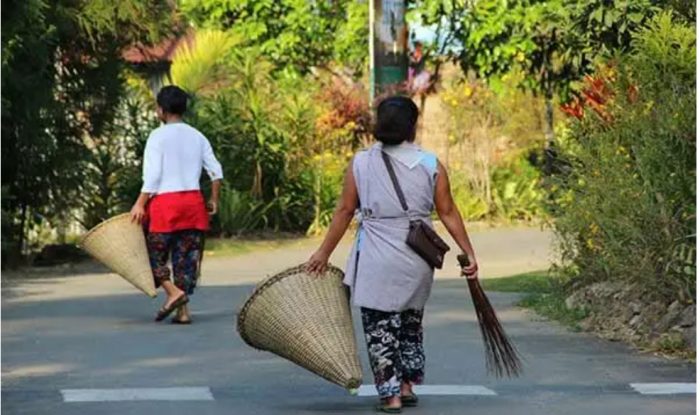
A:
672,344
222,247
543,294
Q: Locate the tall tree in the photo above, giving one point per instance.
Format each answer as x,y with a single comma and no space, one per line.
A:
61,84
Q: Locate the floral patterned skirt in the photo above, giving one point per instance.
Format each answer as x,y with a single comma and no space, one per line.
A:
395,346
184,248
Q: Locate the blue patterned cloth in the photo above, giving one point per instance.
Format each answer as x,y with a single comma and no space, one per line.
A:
184,248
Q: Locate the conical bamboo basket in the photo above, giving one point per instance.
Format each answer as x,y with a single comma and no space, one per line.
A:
307,320
119,244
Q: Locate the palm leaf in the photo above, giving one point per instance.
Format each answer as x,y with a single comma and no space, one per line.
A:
202,66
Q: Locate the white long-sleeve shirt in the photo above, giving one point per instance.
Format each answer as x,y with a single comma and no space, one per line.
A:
174,157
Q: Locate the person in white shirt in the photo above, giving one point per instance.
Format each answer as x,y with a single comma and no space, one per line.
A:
171,205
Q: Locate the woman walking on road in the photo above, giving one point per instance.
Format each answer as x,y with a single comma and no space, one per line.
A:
172,204
388,280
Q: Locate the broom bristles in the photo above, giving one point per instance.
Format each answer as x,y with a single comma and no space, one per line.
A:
502,358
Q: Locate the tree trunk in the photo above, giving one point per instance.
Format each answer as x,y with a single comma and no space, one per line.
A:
257,181
549,133
487,177
22,230
549,121
320,167
62,228
317,202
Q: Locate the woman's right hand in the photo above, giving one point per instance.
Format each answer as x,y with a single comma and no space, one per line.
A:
318,263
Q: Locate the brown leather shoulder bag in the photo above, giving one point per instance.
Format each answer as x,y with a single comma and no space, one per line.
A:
421,237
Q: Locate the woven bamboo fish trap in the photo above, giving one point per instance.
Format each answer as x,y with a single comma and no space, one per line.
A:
119,244
307,320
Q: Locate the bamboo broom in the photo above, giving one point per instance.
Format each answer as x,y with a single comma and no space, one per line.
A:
501,355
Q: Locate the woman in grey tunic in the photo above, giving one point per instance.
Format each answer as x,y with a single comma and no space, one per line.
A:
388,280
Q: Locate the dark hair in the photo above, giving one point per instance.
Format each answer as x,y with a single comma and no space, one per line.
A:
172,100
396,120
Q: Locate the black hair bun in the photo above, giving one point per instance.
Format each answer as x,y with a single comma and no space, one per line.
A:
396,120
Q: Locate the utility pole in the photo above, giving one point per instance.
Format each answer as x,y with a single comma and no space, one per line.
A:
388,45
372,78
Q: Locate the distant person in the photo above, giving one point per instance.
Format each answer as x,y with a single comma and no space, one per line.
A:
172,204
418,77
416,62
388,280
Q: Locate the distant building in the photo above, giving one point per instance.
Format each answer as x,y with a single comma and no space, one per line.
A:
153,62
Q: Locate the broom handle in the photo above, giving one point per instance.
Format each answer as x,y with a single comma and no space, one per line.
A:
463,260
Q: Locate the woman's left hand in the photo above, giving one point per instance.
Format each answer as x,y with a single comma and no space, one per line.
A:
471,270
318,263
212,207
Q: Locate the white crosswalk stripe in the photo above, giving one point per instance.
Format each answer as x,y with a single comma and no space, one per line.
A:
667,388
137,394
205,394
436,390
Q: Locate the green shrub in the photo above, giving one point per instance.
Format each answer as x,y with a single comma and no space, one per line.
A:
471,206
671,343
490,125
239,212
246,125
328,180
517,194
625,207
284,143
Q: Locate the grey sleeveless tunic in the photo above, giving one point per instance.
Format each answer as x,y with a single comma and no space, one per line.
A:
382,271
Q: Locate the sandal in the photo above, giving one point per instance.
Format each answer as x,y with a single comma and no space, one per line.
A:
176,320
382,407
166,311
409,400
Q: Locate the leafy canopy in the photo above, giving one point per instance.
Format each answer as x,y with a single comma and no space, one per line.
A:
553,42
297,33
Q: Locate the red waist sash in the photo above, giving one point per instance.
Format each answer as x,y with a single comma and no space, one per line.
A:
177,211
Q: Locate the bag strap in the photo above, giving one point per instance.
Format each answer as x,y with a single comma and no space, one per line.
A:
395,181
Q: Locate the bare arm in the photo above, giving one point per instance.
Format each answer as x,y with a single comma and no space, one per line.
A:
138,211
214,198
215,172
152,169
342,217
452,219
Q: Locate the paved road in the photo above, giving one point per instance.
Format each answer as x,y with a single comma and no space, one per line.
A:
64,336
